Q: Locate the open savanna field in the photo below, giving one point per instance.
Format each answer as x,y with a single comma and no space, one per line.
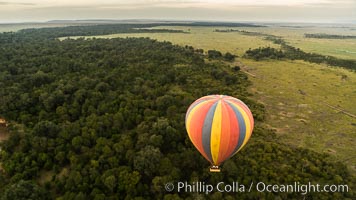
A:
206,38
294,35
309,105
202,38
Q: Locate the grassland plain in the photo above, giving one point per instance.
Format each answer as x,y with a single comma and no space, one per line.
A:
296,93
340,48
203,38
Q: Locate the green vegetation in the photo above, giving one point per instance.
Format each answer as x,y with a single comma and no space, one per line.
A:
214,54
326,129
54,33
290,52
200,38
293,53
306,120
25,190
266,52
328,36
243,32
105,29
295,36
105,119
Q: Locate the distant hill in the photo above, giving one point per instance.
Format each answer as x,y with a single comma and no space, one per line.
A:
145,21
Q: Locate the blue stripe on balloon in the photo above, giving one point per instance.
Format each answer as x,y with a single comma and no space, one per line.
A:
206,133
242,128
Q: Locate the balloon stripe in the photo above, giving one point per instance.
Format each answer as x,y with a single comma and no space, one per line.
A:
198,116
248,132
242,127
250,117
189,125
247,123
246,109
192,109
206,133
216,133
219,126
189,120
196,103
226,132
234,133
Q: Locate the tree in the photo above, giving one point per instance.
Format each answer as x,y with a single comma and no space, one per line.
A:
24,190
229,57
236,68
214,54
127,181
110,182
47,129
147,160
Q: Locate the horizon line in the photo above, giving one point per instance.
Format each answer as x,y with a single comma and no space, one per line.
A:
172,20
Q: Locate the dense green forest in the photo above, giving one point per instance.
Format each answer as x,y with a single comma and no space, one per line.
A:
104,119
32,34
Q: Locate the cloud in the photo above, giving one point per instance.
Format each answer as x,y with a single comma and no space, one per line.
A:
331,3
140,4
291,10
16,3
219,4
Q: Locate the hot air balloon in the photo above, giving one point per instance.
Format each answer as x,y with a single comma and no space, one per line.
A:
218,126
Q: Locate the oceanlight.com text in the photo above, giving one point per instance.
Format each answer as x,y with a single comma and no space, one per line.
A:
235,187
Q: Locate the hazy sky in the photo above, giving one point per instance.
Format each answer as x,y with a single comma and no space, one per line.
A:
218,10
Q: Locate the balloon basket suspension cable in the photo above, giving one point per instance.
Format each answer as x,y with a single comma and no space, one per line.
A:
214,168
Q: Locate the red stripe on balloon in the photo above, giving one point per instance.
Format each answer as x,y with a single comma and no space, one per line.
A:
234,132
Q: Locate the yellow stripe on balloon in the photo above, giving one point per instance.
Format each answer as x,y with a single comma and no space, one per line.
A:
216,133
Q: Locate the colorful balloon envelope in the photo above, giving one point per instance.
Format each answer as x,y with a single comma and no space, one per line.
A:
219,126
